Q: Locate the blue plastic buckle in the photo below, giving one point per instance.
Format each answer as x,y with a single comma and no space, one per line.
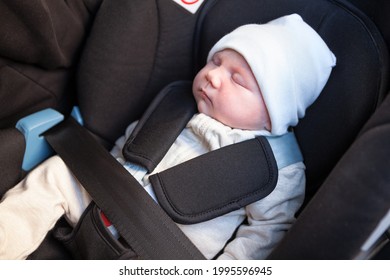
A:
32,127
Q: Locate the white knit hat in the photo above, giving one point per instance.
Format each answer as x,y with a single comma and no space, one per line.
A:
290,62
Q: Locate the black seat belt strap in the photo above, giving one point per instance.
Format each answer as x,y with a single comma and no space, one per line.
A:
147,229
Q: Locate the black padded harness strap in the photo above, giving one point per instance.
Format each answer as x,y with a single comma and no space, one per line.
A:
218,182
164,120
140,221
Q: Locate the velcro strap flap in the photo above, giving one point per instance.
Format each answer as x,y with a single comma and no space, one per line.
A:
218,182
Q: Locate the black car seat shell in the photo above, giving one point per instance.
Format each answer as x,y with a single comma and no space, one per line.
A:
125,62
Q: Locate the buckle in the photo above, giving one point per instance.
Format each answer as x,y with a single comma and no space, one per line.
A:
32,127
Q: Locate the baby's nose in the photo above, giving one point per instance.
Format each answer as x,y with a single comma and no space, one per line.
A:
213,76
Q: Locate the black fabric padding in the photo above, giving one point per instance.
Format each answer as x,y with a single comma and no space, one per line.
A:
378,11
90,239
134,50
40,43
357,84
351,202
51,247
12,145
44,33
165,119
139,220
218,182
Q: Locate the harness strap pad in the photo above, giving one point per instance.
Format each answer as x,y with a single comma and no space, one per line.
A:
160,125
224,180
218,182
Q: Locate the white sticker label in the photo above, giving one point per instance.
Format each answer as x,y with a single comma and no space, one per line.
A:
190,5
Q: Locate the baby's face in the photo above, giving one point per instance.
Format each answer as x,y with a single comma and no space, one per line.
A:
226,90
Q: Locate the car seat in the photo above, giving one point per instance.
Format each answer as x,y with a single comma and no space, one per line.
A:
125,62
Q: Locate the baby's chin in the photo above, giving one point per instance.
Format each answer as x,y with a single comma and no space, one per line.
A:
243,125
204,108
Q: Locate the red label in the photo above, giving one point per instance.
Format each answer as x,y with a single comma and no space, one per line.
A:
106,222
189,2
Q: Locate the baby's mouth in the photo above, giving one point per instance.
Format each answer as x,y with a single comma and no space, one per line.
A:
204,95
